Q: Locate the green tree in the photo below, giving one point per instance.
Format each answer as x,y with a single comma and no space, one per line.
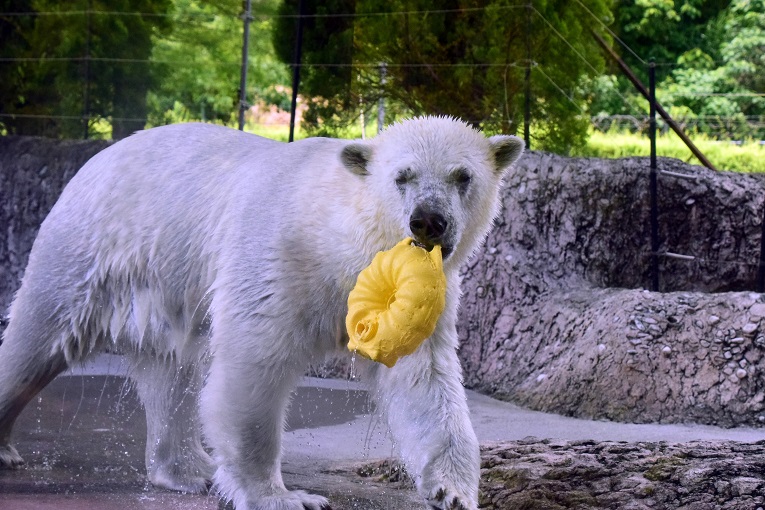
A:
714,50
658,30
663,30
465,58
710,55
87,58
201,62
13,44
744,48
724,94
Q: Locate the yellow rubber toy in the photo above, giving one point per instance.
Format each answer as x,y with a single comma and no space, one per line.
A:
396,302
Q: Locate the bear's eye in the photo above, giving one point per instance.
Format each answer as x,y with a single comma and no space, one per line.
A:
461,178
404,177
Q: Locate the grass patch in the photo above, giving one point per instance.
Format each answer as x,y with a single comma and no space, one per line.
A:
747,157
281,132
278,132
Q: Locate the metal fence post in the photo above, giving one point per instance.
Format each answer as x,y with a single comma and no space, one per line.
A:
761,271
245,52
296,68
653,181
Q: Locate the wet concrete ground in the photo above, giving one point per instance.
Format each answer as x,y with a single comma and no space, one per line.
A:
83,442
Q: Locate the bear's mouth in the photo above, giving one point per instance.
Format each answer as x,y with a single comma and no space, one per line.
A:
446,249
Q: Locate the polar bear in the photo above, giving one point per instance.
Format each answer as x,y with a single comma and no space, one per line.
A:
220,264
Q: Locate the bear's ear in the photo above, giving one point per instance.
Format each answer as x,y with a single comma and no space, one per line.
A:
355,157
507,149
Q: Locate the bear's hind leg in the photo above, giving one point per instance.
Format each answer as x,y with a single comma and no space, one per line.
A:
28,362
169,391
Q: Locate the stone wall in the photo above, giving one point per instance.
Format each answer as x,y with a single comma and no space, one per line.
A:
555,316
33,171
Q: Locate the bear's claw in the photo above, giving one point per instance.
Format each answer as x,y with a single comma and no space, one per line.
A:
444,499
10,458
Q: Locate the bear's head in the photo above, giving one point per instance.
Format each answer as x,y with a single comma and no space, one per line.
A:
438,178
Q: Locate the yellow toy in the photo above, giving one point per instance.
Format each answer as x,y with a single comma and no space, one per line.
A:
396,302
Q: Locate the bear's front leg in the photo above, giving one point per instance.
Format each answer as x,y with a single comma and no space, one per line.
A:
244,403
426,407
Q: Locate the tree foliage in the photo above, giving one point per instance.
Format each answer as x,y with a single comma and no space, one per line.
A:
662,30
744,50
710,55
465,58
129,61
175,60
13,44
201,61
326,73
81,63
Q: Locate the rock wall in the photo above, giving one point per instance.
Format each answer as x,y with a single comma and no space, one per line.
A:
555,316
33,171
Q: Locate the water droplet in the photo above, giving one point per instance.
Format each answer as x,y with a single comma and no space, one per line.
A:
352,373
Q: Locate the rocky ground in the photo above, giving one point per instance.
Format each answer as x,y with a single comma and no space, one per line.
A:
534,474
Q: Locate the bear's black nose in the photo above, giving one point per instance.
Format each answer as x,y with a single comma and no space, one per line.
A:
428,226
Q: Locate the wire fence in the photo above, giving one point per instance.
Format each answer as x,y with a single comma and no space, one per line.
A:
723,128
82,114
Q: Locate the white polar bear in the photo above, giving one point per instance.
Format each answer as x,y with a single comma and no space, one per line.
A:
221,262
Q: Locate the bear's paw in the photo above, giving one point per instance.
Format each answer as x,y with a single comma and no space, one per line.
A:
443,498
291,500
9,457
